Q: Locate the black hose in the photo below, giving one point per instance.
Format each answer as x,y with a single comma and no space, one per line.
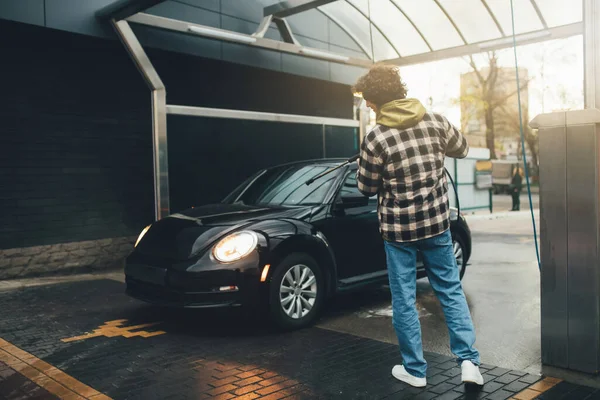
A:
455,190
357,156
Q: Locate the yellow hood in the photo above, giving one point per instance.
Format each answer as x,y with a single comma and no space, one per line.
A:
401,114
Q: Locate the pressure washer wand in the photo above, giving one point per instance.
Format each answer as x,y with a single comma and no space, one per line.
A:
322,174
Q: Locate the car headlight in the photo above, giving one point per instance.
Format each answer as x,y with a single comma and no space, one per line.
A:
142,235
235,246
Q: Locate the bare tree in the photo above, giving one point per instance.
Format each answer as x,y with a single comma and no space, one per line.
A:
488,97
555,54
530,135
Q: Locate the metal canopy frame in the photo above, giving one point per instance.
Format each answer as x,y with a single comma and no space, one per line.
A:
255,40
123,12
292,7
559,32
591,53
132,11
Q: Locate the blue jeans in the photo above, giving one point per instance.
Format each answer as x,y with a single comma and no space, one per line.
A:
443,273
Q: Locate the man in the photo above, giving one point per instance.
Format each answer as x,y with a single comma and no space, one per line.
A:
402,161
516,186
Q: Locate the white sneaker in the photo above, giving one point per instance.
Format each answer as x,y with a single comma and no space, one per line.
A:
471,374
402,375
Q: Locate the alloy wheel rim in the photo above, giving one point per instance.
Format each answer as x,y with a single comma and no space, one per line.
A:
458,253
298,291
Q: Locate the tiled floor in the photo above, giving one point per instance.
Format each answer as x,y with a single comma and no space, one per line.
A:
14,385
109,343
566,391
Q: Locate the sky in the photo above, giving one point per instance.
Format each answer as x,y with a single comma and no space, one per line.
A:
555,66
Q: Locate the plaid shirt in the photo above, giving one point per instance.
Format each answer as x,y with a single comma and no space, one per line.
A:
406,169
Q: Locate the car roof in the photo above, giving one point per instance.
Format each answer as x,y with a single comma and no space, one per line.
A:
330,162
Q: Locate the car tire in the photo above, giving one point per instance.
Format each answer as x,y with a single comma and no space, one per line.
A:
458,245
295,304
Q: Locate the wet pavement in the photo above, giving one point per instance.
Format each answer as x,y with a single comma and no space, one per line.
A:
105,344
15,385
566,390
502,288
503,202
83,338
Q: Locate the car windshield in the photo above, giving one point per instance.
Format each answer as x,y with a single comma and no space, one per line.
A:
285,186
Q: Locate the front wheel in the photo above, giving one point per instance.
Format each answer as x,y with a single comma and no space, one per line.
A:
459,248
296,292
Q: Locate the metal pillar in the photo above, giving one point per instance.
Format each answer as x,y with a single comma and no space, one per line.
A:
570,233
363,116
365,119
569,150
159,116
324,138
591,54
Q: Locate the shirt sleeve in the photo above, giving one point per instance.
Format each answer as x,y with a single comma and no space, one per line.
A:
456,143
370,166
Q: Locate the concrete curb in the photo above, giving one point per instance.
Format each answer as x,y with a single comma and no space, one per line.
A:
508,214
65,258
115,274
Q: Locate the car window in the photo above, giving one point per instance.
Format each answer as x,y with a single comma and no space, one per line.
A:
230,198
287,186
350,188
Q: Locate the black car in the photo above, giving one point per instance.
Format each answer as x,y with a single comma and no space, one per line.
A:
274,242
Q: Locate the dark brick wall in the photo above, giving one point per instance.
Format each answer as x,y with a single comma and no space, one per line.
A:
75,133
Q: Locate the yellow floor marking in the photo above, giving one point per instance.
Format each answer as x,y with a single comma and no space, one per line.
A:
536,389
52,379
116,328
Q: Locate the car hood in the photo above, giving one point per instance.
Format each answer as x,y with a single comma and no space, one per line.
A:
233,214
183,235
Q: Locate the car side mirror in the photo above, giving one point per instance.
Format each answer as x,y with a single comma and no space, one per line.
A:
354,201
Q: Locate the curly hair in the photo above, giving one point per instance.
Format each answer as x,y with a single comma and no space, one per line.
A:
381,85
